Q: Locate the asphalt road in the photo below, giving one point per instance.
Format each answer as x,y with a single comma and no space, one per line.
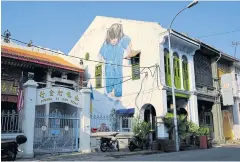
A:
225,153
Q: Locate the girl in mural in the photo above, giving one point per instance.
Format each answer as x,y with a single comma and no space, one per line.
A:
112,51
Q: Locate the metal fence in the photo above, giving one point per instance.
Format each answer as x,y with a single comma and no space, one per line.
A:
11,122
56,133
111,123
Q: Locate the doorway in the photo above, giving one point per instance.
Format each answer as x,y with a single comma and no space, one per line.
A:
150,116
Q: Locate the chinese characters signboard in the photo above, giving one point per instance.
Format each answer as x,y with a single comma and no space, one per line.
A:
58,94
8,87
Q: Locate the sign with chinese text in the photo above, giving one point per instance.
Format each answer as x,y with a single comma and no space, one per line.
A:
8,87
58,94
227,89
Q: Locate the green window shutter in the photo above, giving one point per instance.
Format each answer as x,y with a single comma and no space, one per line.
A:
98,75
177,78
167,68
185,73
135,67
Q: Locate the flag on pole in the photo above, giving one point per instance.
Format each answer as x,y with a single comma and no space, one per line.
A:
20,94
91,98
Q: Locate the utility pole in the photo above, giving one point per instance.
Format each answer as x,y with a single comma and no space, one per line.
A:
172,73
235,44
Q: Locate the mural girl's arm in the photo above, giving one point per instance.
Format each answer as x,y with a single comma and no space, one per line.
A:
127,45
101,54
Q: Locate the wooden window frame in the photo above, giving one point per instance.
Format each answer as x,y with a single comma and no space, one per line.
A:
98,75
167,68
177,74
135,61
185,73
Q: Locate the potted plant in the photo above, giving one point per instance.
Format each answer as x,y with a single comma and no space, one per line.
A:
193,132
142,129
203,133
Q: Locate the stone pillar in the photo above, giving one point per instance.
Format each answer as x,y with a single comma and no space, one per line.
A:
216,109
85,133
30,96
162,132
48,85
236,120
236,115
193,108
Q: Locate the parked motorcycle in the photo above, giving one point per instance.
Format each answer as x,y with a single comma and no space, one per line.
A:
135,143
9,150
138,143
109,143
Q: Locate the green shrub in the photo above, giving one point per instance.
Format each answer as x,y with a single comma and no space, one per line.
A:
203,131
141,128
181,122
192,128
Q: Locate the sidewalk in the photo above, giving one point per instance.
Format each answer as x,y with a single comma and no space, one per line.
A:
94,156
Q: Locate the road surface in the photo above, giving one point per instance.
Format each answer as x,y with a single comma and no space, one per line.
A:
225,153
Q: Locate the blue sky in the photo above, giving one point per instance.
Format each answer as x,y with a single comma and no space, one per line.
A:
59,25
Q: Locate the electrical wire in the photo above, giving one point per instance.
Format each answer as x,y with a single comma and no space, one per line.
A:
68,55
95,78
215,34
139,92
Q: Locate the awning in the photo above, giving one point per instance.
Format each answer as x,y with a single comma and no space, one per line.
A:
125,111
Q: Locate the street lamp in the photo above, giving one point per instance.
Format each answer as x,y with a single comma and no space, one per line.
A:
172,74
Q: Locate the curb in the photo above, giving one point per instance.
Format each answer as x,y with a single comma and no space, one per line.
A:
133,153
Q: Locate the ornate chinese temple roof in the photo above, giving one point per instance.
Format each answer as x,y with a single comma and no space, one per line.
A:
39,56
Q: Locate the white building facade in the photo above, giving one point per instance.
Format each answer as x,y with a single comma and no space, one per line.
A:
236,106
133,69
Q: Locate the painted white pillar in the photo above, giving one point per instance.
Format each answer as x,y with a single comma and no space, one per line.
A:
162,132
30,95
236,120
48,85
236,115
84,134
193,108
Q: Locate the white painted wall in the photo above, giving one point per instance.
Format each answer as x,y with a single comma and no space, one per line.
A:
148,37
145,37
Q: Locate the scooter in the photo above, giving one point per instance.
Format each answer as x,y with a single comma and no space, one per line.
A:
109,143
9,150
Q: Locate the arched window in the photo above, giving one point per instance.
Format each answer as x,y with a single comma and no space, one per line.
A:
167,67
185,73
177,78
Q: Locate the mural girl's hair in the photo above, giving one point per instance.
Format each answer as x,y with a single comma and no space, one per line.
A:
114,32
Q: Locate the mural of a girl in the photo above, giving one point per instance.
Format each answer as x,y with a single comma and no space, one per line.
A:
112,51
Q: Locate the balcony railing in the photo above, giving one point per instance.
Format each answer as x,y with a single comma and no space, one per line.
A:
11,122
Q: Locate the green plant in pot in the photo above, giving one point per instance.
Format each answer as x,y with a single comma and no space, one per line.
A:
203,133
181,122
142,129
168,120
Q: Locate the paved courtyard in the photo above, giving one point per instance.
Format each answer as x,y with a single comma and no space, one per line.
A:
223,153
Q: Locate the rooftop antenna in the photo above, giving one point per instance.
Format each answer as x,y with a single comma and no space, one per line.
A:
7,35
235,44
30,43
